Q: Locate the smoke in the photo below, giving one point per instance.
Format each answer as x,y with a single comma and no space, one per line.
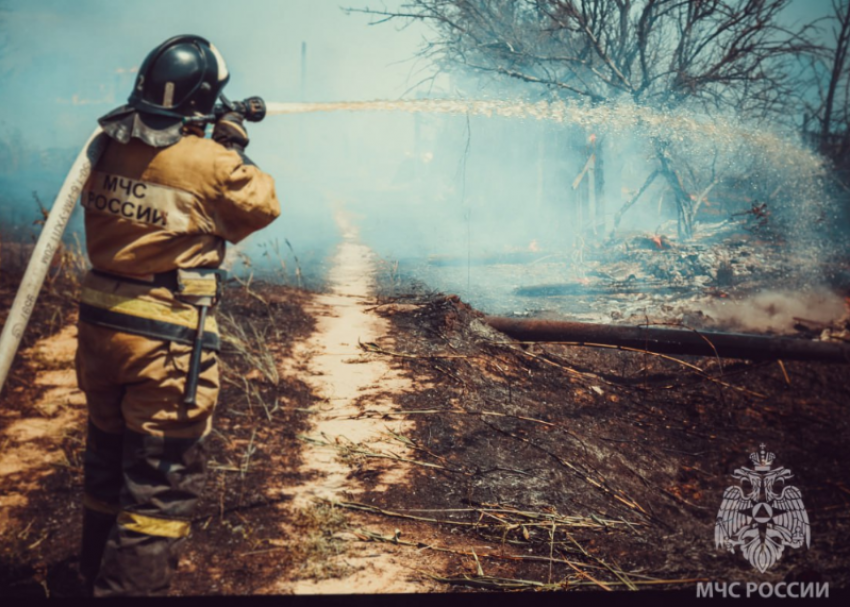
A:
460,181
775,311
64,65
439,184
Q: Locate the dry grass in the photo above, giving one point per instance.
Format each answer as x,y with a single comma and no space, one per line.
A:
251,342
319,549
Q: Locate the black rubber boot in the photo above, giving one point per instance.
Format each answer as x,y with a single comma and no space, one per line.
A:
137,564
96,528
163,478
102,485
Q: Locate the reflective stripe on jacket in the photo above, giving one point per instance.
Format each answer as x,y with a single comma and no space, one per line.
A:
153,210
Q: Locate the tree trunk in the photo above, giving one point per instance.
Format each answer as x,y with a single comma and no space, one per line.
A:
684,203
837,69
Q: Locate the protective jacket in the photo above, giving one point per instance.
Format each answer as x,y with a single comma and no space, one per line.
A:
150,211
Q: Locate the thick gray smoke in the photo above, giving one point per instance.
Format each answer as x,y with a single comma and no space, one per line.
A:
506,176
442,190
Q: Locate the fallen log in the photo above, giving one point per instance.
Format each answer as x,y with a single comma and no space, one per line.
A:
671,341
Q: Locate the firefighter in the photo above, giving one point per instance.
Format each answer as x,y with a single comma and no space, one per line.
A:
159,206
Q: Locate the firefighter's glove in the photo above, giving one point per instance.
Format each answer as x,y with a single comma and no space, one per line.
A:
230,131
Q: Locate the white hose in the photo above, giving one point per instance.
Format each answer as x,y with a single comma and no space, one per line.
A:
48,243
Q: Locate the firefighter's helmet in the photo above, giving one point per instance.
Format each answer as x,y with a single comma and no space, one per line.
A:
181,78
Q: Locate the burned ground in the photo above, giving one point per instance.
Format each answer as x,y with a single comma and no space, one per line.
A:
253,448
28,561
640,447
535,466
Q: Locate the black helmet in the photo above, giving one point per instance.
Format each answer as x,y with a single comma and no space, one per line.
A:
181,78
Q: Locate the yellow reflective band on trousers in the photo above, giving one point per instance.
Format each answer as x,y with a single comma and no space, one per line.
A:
92,503
153,526
131,306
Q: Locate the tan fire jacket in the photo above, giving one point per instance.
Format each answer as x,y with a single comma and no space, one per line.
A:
149,211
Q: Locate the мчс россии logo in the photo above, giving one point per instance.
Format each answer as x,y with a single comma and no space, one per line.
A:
762,514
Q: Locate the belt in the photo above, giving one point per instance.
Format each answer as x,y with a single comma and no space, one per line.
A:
141,316
166,280
187,285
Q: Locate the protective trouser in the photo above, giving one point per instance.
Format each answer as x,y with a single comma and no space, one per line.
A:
144,461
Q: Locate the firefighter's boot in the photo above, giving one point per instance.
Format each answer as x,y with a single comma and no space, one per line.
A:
102,485
96,528
163,478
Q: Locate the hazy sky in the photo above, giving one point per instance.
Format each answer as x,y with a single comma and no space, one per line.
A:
67,62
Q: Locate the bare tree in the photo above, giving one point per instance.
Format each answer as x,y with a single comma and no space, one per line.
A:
715,55
829,106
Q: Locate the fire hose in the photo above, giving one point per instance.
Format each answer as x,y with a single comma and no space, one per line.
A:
46,247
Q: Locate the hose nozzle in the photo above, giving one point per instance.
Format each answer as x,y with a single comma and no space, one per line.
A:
253,109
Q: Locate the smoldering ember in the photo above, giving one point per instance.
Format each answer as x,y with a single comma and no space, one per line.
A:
566,309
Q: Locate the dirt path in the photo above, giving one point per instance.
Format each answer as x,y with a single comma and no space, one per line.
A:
30,446
355,389
355,392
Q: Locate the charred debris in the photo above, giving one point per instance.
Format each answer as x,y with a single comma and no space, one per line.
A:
737,288
697,291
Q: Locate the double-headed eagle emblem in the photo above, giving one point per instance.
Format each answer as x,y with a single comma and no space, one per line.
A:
762,514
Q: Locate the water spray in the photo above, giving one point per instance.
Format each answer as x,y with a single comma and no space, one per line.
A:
617,119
